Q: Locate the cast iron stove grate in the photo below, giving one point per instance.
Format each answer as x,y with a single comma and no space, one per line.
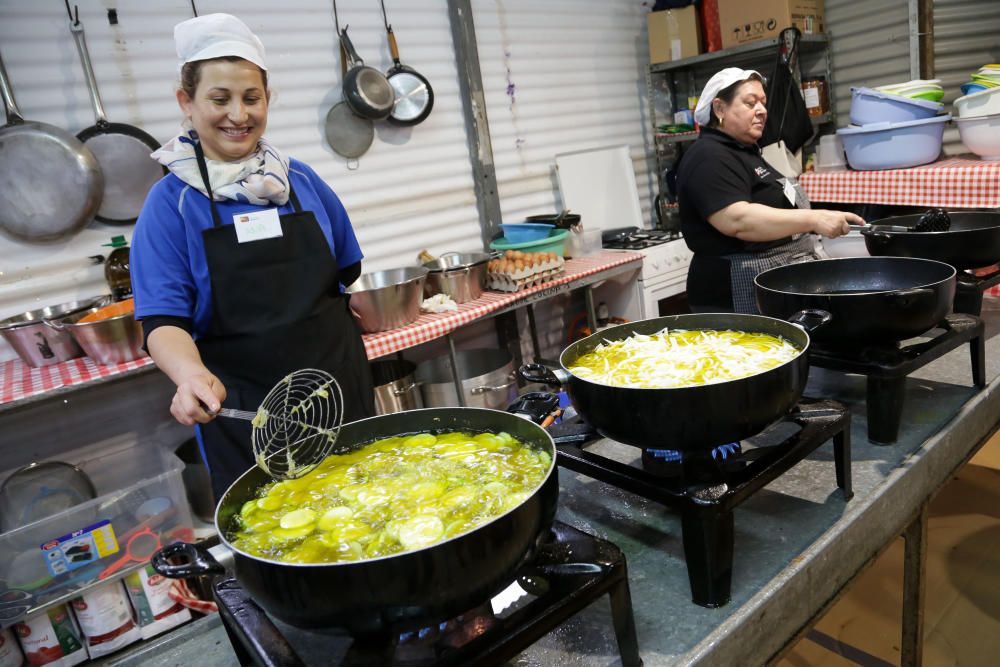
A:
706,507
633,238
570,571
969,291
886,367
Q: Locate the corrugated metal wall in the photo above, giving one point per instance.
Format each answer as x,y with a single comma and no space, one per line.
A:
870,46
966,37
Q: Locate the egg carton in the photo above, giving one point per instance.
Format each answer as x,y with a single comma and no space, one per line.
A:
507,282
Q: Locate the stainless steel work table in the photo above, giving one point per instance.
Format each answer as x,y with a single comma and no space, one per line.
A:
798,543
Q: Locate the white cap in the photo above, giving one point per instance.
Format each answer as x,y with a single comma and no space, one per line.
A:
722,79
216,36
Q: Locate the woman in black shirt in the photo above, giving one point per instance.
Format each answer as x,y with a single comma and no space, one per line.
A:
738,214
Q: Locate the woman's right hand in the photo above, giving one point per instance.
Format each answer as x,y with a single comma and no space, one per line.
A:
198,398
832,224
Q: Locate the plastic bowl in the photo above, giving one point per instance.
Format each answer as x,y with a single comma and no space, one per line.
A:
983,103
555,242
981,135
873,106
525,232
893,145
969,88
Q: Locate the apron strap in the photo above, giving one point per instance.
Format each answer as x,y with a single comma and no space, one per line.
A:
203,168
292,197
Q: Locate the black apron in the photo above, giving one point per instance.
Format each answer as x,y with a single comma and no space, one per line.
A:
276,308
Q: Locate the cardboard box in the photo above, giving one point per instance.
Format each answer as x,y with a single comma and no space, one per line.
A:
673,34
743,21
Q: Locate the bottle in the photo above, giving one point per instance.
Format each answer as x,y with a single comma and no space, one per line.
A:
116,269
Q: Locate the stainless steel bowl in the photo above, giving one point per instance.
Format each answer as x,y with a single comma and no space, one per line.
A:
462,276
388,299
39,345
108,341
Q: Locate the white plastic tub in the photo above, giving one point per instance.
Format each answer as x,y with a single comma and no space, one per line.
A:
893,145
981,135
870,106
984,103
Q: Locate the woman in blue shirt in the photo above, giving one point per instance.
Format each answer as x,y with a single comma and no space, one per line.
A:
240,256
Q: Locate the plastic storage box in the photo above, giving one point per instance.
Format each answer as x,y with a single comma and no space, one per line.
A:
140,501
893,145
873,106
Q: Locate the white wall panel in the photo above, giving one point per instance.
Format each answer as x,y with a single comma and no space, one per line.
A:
412,190
560,76
966,37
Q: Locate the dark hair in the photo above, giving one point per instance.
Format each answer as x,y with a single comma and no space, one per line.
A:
728,94
191,73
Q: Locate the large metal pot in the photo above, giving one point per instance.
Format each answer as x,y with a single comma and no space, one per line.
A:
109,341
395,387
689,419
396,593
871,299
390,299
462,276
488,379
40,345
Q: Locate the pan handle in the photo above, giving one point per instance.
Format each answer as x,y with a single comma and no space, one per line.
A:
348,45
393,48
877,235
543,375
76,29
906,297
200,561
14,116
810,319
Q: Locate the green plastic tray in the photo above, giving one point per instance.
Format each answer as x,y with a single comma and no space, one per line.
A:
555,242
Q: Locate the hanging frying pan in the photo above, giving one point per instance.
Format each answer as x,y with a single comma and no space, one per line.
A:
121,150
413,93
348,134
366,89
50,183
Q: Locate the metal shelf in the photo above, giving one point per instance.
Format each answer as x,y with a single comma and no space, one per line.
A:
675,137
806,42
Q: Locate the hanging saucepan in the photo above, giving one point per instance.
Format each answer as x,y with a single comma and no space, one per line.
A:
414,95
972,241
391,594
692,419
50,183
121,150
366,89
870,299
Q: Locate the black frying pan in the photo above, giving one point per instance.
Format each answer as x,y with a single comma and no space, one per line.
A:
366,90
414,97
972,241
121,150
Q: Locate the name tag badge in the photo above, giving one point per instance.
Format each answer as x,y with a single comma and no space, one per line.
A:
257,225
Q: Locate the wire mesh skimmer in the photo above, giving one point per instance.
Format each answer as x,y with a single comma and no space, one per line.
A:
297,424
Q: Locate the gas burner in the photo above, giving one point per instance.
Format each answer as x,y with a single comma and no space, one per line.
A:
706,489
887,366
969,290
634,238
570,570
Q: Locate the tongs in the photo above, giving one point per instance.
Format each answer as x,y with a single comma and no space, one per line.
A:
934,220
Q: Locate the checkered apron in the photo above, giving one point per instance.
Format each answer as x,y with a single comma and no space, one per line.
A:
744,267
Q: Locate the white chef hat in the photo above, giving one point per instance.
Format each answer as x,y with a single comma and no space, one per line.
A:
216,36
722,79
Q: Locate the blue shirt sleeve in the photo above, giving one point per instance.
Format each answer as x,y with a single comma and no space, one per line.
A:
345,243
159,264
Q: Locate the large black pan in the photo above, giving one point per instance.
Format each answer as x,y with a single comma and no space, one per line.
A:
395,593
870,299
366,89
121,150
688,419
50,183
414,95
973,240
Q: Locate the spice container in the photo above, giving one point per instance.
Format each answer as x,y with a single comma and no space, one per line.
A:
116,269
815,95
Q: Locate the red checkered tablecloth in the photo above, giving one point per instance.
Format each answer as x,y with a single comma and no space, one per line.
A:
427,327
18,381
957,182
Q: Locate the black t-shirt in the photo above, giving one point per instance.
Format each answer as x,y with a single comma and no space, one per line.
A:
715,172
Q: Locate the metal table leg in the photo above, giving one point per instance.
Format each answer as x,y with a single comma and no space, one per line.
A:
914,566
535,347
588,298
454,370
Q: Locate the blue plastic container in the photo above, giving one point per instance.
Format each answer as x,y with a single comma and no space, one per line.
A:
525,232
893,145
873,106
969,88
